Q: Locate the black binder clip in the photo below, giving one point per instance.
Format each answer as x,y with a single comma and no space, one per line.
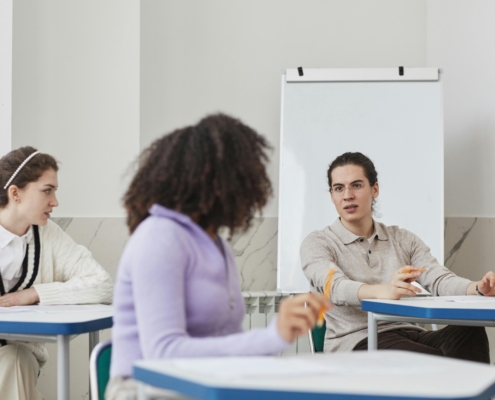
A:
300,71
401,71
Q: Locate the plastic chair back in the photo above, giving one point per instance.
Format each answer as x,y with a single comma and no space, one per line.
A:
317,338
99,369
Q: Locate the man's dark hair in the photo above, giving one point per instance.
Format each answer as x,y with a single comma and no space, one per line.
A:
354,159
362,161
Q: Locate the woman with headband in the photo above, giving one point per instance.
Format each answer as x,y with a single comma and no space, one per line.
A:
39,262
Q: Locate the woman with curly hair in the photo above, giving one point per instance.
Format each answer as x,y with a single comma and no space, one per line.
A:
177,292
39,262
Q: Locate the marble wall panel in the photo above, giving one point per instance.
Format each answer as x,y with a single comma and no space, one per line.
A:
255,251
104,237
470,246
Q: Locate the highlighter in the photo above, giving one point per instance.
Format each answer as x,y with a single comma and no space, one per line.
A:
408,271
326,295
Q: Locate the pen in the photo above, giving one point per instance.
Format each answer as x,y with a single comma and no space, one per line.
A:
326,295
408,271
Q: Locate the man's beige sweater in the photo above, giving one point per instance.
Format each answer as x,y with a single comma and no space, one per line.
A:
356,261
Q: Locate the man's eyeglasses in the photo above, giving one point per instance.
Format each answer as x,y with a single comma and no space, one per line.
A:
340,189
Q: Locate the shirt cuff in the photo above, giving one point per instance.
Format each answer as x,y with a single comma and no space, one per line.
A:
350,290
460,288
48,293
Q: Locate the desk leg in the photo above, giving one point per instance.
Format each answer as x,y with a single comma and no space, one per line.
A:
142,391
63,367
94,339
372,332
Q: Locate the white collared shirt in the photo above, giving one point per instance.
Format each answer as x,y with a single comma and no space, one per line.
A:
12,252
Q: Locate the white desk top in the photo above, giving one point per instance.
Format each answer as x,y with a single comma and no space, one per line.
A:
448,302
396,374
477,308
63,319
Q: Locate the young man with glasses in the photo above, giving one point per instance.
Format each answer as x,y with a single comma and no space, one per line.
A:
375,261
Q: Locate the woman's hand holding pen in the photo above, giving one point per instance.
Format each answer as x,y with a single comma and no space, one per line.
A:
298,314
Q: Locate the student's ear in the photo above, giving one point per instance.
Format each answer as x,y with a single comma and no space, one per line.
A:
13,193
375,190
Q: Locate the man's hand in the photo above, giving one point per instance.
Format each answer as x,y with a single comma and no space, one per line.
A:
487,284
20,298
400,285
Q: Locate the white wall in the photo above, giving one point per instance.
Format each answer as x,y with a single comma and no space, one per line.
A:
76,95
460,37
5,76
199,57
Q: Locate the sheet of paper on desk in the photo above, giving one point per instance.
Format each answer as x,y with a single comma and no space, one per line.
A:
71,308
464,299
15,309
234,368
273,367
57,309
424,292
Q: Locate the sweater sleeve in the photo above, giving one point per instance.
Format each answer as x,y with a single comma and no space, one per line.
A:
77,277
437,279
159,275
317,257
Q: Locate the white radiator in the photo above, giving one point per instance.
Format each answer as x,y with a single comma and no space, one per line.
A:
260,309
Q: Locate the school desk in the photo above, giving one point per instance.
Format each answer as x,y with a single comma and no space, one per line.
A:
57,324
445,310
366,375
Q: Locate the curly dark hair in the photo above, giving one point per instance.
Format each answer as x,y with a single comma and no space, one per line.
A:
214,171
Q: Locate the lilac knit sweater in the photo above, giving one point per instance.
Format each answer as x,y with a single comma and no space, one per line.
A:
177,296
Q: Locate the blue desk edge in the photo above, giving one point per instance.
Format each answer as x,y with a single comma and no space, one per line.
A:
425,312
200,391
56,328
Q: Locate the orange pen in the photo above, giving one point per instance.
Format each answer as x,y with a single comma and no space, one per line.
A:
408,271
326,295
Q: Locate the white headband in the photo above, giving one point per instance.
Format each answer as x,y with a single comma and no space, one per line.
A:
18,169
